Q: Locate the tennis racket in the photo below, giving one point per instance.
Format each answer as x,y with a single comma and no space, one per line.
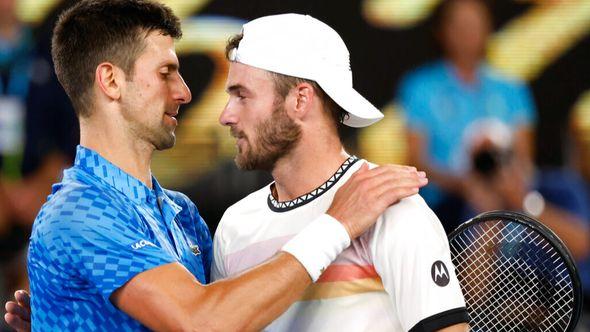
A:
515,274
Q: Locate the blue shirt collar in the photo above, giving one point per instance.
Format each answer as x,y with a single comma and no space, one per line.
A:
130,186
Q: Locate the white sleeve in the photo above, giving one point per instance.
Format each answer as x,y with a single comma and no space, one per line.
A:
218,268
410,251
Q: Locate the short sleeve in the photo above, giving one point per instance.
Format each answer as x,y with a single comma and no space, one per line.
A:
411,254
106,245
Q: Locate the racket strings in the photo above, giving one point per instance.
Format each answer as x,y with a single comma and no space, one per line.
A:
512,279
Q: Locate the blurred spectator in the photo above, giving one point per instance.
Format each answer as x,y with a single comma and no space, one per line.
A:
38,135
556,197
442,99
580,158
16,44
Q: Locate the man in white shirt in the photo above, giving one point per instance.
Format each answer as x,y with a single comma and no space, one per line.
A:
290,85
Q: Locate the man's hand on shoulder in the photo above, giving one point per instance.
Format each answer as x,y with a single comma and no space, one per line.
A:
369,192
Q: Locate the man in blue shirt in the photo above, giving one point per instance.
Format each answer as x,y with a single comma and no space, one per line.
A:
111,249
444,99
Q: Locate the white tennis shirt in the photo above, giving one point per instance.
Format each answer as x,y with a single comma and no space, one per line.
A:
398,276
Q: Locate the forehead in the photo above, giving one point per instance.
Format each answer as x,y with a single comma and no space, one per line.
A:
159,48
248,76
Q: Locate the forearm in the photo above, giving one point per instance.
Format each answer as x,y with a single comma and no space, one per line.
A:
169,298
253,299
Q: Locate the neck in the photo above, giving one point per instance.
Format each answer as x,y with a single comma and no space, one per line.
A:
113,143
310,164
466,69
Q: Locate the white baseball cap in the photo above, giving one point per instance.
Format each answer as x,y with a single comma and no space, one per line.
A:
304,47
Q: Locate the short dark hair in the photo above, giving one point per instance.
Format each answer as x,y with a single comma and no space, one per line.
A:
284,83
95,31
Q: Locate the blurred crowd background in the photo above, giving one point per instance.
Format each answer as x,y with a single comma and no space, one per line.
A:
491,98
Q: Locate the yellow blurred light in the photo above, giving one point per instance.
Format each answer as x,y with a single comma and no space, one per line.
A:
397,13
385,141
185,8
34,11
531,42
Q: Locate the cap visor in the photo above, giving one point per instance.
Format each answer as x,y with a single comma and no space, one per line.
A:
361,112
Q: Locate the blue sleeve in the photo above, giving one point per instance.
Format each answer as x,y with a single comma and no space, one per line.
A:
105,242
413,103
525,112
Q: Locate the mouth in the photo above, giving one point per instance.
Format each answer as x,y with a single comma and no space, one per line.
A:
240,138
170,116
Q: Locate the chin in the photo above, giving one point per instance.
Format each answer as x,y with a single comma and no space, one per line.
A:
165,144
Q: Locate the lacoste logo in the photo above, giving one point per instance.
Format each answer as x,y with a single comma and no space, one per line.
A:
440,274
195,249
142,243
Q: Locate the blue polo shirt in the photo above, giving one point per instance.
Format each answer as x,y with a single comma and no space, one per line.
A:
99,228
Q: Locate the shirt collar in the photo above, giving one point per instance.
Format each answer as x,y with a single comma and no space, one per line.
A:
130,186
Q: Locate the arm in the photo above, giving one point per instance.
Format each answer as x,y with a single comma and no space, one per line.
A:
169,298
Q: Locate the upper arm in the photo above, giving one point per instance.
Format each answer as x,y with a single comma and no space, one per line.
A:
411,254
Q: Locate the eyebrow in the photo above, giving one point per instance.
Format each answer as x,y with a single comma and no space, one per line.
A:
235,88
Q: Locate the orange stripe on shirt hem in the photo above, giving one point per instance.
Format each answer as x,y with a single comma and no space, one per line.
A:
329,290
340,272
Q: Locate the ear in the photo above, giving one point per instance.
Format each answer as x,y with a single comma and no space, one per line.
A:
110,79
304,97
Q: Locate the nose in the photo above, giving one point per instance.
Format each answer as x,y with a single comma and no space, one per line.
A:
182,94
228,117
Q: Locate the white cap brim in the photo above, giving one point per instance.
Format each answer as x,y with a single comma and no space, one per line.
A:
361,112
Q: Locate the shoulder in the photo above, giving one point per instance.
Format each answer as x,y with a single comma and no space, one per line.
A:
502,80
409,215
411,221
76,207
430,72
78,216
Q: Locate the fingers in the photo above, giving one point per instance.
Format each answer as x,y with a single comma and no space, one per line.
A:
388,179
17,310
16,323
23,298
394,171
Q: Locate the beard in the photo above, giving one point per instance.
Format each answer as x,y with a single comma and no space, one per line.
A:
275,137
